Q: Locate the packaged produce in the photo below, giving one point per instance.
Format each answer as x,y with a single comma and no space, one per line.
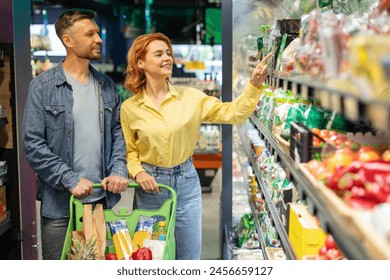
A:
314,117
247,235
283,27
288,57
362,184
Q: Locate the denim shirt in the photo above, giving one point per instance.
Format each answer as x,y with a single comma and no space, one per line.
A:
48,137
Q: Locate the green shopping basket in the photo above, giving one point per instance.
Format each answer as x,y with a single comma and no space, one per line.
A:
167,210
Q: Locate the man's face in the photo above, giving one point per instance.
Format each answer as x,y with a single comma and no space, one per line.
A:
84,39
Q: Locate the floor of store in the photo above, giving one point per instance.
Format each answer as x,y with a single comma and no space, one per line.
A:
211,245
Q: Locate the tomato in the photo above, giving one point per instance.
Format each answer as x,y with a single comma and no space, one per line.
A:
333,254
347,151
386,155
330,243
324,134
110,256
338,140
339,160
316,131
368,153
322,251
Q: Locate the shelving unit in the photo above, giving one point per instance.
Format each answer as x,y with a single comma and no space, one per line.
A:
18,238
375,113
271,209
331,222
252,207
3,121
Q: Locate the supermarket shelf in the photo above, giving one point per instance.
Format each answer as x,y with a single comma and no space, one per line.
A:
3,179
375,112
331,222
208,160
3,121
275,218
6,225
203,152
257,223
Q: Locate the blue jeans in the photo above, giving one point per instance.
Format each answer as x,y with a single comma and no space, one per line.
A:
53,233
184,180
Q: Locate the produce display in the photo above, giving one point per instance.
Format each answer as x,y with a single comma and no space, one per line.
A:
344,159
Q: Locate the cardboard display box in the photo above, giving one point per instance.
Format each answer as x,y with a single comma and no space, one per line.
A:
306,236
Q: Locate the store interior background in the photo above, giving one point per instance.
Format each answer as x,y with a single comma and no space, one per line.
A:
194,28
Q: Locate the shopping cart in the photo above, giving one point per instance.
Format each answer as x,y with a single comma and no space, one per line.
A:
166,211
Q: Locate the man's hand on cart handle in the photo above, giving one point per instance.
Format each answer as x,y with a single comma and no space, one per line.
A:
83,189
147,182
115,184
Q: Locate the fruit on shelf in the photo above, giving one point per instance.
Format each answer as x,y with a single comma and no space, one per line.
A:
386,155
330,243
330,250
318,169
362,185
368,153
342,158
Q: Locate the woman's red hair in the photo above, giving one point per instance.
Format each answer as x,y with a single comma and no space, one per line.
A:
135,77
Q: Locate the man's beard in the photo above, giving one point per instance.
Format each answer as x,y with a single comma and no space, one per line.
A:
90,55
95,56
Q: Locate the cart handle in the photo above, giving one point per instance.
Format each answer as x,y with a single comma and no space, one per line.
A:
135,185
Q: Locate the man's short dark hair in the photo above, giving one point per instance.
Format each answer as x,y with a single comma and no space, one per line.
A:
69,17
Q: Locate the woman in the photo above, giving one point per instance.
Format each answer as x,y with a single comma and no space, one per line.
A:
161,124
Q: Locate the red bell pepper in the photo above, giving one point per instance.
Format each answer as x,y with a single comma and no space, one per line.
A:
143,253
110,256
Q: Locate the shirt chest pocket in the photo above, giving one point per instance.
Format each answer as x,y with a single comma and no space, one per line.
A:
55,116
109,113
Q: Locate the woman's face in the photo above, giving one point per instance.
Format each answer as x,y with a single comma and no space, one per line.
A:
158,60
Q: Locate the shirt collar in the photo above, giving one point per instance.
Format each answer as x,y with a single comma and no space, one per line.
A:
172,93
61,78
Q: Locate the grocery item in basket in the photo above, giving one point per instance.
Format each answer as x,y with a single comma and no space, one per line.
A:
143,253
143,230
121,239
82,249
157,247
160,233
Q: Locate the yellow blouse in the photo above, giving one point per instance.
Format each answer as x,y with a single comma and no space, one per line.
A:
167,136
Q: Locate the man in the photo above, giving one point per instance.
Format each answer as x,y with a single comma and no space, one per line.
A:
71,131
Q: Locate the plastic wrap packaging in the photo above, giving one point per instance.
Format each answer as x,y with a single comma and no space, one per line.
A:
281,27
